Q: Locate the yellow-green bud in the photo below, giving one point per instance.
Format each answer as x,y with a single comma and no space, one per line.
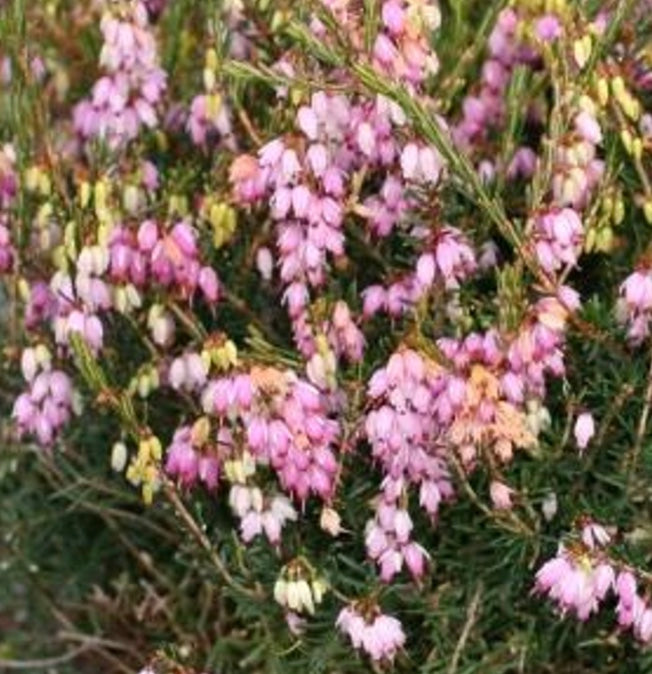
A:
44,184
131,198
32,178
582,51
144,385
23,289
618,87
213,105
589,241
209,79
626,138
604,239
84,193
647,211
212,60
602,87
619,210
200,431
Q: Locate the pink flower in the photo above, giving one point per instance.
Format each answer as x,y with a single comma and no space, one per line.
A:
588,127
501,495
393,15
265,263
559,235
548,28
595,535
577,585
126,97
584,430
46,407
380,636
635,304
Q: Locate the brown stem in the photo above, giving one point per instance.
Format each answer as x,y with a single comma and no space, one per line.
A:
471,616
203,541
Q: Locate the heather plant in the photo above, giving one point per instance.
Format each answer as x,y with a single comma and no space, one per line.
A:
326,336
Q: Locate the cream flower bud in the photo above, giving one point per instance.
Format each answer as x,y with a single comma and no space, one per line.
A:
119,457
330,521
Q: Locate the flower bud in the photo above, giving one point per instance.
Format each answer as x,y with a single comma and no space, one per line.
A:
330,521
618,88
144,385
604,239
119,457
281,592
131,199
209,79
619,210
84,193
29,364
549,506
200,431
602,88
626,138
647,211
265,263
582,51
584,430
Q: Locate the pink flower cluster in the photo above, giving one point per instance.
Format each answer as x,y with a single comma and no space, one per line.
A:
404,431
188,372
72,316
168,258
259,514
287,424
485,109
537,350
577,170
8,189
581,575
633,610
575,583
191,461
635,304
344,335
41,305
7,252
8,177
388,543
309,179
207,120
559,235
385,209
126,98
380,636
450,259
447,259
420,410
402,48
46,407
